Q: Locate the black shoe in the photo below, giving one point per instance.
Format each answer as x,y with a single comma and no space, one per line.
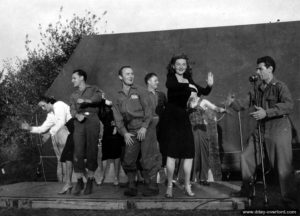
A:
79,186
246,191
130,192
139,182
151,190
89,186
204,183
123,185
289,203
240,193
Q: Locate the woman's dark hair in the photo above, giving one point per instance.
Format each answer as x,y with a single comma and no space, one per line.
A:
81,72
47,99
187,74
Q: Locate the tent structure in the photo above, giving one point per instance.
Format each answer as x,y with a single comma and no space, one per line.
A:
229,52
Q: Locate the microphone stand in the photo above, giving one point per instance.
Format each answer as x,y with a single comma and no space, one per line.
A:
261,147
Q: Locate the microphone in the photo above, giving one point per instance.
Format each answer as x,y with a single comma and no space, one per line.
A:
253,78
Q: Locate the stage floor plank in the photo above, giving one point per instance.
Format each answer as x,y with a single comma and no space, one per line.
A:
107,196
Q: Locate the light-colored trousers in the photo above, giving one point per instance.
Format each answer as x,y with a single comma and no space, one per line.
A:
58,143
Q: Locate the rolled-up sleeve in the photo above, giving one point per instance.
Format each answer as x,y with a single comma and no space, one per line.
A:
97,95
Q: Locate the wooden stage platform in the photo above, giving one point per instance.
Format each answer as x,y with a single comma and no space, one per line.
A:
107,196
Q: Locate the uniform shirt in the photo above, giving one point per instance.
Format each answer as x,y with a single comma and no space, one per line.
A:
274,97
153,102
133,110
92,93
158,102
55,120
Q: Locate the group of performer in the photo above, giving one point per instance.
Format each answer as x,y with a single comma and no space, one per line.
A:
156,130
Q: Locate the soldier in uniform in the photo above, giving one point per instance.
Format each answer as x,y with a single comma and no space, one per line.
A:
158,102
273,103
85,108
133,114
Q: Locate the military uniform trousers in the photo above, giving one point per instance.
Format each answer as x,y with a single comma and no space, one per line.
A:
150,154
86,138
276,139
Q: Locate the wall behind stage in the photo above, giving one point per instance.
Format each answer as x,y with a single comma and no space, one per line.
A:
229,52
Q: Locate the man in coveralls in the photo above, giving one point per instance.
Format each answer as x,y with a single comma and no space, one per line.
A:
158,102
84,107
273,103
133,114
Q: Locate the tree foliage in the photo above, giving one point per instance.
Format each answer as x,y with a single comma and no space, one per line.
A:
25,80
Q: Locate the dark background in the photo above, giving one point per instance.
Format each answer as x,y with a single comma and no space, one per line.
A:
229,52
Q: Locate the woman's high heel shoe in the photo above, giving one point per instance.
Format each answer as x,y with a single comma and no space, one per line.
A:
188,191
169,192
66,189
101,181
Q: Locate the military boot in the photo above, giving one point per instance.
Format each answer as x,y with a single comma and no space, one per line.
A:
151,189
247,190
89,186
132,189
79,186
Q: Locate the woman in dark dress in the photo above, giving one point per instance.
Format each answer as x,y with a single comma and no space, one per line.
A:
112,141
67,156
176,132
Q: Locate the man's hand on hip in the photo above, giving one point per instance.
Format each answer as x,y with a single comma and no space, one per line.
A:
128,140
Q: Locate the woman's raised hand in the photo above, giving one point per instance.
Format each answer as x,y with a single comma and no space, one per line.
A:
25,126
210,79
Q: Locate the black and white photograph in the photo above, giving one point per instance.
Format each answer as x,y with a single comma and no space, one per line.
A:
148,107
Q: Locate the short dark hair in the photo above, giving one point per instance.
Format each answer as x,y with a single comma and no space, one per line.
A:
47,99
123,67
269,61
81,72
149,76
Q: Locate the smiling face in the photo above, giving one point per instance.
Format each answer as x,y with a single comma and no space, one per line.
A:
127,76
263,72
76,79
180,66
